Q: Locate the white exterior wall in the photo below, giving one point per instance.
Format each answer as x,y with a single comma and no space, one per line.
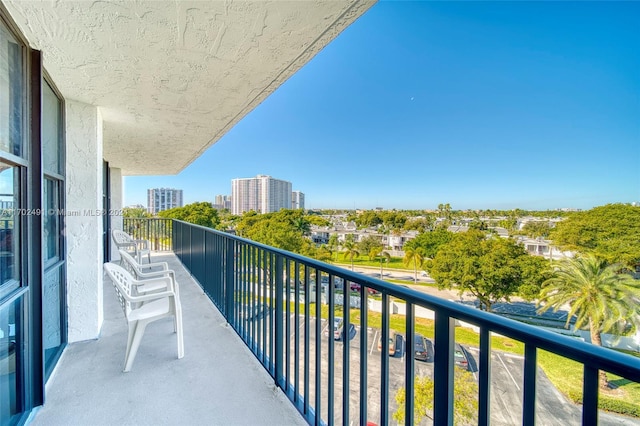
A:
116,189
84,230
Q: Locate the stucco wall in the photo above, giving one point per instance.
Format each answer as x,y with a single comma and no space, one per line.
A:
116,189
84,220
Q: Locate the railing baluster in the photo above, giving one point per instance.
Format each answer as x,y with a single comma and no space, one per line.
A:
364,324
484,378
332,343
296,347
409,372
590,389
346,345
318,361
307,338
265,308
384,362
443,369
278,317
287,334
529,392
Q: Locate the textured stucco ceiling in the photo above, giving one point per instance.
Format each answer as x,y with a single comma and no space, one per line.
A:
172,77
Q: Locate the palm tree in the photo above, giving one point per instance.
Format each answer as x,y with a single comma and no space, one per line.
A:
597,295
351,250
386,257
301,225
415,256
333,243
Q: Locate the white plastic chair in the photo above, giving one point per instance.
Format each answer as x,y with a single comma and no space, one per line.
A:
154,270
128,243
150,307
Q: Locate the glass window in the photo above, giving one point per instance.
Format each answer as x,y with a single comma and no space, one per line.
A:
9,223
12,90
51,135
51,225
52,316
10,404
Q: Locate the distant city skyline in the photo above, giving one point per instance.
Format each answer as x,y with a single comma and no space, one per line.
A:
482,105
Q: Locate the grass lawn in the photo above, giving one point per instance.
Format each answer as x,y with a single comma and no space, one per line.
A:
394,262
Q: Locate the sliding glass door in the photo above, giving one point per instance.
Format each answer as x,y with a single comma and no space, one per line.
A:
32,245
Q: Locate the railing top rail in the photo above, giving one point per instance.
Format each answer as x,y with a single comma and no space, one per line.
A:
602,358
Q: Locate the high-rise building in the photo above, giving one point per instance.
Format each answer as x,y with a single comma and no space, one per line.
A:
262,193
159,199
223,202
297,200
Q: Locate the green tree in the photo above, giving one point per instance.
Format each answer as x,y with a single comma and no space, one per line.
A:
415,257
333,243
386,257
610,232
283,229
368,219
317,220
323,254
421,224
350,251
534,270
490,268
535,229
478,224
135,213
430,242
301,223
597,295
369,244
508,224
465,399
199,213
444,211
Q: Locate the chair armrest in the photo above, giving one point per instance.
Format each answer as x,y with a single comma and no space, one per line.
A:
143,243
127,244
168,283
151,296
163,265
153,274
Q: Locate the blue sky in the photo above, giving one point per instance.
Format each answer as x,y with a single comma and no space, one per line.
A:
482,105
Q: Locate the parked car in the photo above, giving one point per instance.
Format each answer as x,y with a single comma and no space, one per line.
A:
460,357
392,343
255,312
423,348
338,330
356,287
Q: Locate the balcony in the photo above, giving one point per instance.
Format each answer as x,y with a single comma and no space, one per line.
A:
218,381
263,341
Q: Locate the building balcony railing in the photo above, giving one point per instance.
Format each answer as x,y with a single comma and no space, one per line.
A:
268,296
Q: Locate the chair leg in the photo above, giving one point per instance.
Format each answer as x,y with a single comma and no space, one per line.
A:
178,326
132,332
135,344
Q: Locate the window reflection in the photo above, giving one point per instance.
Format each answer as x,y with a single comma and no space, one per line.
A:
51,226
9,223
12,90
9,363
51,125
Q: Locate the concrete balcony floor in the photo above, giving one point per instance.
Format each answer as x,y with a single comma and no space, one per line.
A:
218,382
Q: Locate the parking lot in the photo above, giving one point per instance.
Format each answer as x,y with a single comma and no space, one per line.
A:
506,381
